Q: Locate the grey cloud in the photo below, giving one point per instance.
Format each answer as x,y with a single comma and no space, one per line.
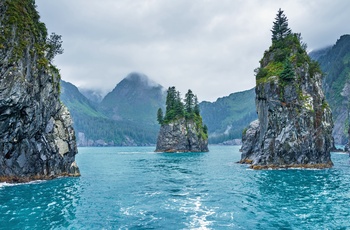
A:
209,46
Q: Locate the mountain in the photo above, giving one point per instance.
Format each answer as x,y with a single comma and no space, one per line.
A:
136,99
78,104
126,116
227,117
316,54
335,63
93,95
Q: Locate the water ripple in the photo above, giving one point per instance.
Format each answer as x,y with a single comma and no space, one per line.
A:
133,188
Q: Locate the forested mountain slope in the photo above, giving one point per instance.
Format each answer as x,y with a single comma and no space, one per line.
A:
96,127
136,99
227,117
335,63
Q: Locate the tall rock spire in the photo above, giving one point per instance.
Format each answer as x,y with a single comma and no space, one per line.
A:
294,126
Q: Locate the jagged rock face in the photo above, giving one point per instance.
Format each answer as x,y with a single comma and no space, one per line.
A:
294,127
37,140
181,136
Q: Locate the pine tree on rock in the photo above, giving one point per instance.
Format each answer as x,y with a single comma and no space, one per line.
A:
280,27
182,129
160,116
287,73
294,126
196,106
189,103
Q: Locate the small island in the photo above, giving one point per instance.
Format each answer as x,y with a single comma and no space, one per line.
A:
294,126
182,128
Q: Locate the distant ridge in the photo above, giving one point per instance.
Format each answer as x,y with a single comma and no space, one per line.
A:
127,115
335,63
227,117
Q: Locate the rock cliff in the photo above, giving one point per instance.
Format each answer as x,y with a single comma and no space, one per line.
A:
294,126
37,140
182,128
181,136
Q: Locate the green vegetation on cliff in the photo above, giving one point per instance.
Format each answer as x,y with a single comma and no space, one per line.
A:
286,53
24,37
21,20
176,109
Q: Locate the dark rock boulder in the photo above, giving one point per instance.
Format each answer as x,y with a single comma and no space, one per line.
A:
181,136
37,140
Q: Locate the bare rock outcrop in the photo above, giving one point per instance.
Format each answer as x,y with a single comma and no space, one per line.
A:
181,136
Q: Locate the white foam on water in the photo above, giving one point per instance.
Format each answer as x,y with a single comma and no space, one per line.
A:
5,184
152,194
52,203
199,218
340,153
2,185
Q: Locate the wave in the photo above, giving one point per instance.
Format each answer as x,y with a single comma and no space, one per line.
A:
5,184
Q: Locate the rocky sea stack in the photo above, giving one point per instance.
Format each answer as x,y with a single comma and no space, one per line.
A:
37,140
294,126
182,129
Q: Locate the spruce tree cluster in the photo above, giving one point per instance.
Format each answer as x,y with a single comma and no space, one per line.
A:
176,109
286,53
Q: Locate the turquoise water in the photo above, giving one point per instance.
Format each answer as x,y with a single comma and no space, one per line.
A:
134,188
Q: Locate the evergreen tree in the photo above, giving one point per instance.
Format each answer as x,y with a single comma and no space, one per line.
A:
160,116
189,101
170,104
287,73
54,43
205,129
196,106
176,109
179,106
174,105
170,98
280,27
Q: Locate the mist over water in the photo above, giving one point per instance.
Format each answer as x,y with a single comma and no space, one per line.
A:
134,188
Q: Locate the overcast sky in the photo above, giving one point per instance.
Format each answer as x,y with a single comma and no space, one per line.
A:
209,46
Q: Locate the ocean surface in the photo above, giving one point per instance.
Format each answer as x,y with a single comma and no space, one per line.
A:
135,188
